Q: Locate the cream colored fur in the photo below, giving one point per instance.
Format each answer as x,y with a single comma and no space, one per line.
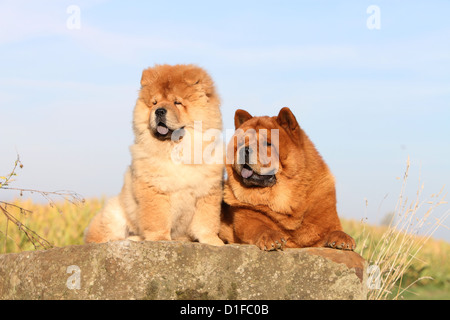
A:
162,199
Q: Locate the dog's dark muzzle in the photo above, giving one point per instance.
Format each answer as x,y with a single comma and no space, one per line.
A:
161,132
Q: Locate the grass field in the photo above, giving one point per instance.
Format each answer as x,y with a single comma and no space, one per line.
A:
63,224
430,264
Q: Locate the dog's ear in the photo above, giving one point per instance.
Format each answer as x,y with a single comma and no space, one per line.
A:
240,117
149,75
286,119
196,76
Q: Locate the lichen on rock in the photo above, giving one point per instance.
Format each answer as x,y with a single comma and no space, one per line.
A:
181,270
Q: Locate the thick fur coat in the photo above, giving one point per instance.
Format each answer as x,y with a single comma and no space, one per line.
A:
289,201
163,197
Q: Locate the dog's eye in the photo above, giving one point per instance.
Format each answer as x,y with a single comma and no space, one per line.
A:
177,103
155,102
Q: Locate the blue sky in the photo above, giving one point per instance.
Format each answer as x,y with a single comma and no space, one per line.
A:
367,98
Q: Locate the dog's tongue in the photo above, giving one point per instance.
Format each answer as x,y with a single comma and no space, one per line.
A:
162,130
246,173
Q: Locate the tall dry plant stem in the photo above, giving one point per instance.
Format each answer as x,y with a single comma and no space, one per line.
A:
400,244
37,241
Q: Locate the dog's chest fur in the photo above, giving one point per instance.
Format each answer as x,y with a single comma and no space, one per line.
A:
182,209
184,183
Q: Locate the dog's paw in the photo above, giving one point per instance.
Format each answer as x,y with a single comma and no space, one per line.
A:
212,239
135,238
271,240
340,240
215,242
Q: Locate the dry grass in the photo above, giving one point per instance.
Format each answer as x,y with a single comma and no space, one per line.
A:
14,213
61,224
395,251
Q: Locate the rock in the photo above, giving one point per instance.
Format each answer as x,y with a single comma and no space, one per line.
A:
181,270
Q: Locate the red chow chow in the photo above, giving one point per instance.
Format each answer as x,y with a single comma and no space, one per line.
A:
283,197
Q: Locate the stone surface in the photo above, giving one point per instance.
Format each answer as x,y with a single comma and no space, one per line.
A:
181,270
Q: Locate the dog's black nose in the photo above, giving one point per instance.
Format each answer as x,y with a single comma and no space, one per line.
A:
160,112
247,152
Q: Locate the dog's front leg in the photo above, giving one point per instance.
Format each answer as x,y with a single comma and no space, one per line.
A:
153,212
206,220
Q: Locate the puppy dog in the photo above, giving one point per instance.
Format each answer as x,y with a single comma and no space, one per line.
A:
163,198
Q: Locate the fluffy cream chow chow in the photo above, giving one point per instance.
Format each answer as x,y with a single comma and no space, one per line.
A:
163,197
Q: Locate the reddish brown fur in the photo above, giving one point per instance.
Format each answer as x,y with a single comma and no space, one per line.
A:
299,210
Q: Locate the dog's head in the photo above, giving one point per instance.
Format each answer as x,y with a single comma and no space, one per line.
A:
258,152
173,97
